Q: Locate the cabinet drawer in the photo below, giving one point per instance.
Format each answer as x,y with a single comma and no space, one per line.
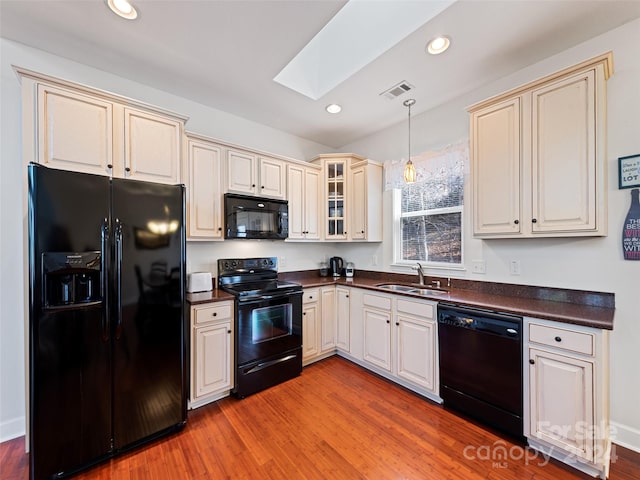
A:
310,295
562,338
383,303
423,310
213,313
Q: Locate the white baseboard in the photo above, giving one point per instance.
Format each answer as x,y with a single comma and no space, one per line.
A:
625,436
12,429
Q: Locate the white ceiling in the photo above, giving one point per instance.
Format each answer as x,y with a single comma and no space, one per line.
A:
225,54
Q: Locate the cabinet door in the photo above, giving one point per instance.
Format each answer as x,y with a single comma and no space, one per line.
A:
310,331
213,359
311,204
496,163
75,131
358,205
416,350
152,146
272,178
296,197
204,207
564,155
335,200
343,317
328,324
241,172
377,337
561,399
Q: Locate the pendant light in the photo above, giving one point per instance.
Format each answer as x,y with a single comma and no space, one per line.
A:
410,174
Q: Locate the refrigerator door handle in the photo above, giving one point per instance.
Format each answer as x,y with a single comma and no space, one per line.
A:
104,281
118,291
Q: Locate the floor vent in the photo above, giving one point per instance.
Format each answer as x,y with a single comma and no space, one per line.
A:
397,90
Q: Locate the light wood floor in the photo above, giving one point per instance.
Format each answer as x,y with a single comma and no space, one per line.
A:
335,421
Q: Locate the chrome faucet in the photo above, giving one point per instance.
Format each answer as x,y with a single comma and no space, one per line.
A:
436,283
420,274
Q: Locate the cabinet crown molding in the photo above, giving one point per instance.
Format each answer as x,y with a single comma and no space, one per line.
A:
604,60
94,92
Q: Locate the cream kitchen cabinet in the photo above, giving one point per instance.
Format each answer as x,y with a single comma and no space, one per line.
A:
351,198
567,407
73,127
376,318
538,157
416,343
343,317
211,352
329,320
249,173
366,201
303,191
204,189
310,325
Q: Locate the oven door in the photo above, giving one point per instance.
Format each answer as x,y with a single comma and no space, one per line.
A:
268,326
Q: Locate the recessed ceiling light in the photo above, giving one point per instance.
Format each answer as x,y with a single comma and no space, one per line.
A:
438,45
123,8
333,108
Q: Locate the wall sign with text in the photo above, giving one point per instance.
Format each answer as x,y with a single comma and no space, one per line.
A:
629,171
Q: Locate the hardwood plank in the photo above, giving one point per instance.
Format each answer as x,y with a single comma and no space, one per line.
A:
334,421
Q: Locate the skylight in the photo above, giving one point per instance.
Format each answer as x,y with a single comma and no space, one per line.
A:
358,34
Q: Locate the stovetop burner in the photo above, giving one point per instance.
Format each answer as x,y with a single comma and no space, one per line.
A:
253,277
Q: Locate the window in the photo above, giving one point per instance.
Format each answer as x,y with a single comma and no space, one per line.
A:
429,219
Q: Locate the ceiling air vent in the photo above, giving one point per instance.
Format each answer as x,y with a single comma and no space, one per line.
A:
397,90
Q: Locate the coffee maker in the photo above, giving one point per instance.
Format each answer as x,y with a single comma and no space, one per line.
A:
336,264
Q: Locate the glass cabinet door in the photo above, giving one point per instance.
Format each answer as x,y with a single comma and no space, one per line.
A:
336,223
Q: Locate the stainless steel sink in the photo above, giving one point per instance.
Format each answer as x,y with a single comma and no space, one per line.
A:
397,288
411,289
427,291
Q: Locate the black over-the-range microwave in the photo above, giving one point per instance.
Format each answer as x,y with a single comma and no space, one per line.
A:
254,217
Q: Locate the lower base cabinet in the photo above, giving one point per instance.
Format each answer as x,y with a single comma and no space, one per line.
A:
568,394
399,337
211,352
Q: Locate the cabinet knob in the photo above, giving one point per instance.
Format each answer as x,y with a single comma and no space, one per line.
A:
228,331
262,186
397,323
127,169
304,313
253,185
532,361
533,220
558,339
362,231
109,166
347,296
215,314
219,229
516,222
388,321
310,297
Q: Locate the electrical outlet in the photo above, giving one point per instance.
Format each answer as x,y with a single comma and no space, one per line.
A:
282,261
374,260
479,266
514,267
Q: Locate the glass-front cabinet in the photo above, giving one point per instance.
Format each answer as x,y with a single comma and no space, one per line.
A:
336,207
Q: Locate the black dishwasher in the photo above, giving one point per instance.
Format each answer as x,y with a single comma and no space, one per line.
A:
481,365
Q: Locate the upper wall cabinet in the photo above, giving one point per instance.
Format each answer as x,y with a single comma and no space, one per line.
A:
251,174
351,198
72,127
204,188
303,188
538,157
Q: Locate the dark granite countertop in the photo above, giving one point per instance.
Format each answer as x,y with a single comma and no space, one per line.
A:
215,295
578,307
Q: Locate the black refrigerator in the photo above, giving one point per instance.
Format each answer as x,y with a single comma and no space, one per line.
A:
107,331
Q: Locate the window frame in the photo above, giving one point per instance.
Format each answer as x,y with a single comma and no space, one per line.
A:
397,234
